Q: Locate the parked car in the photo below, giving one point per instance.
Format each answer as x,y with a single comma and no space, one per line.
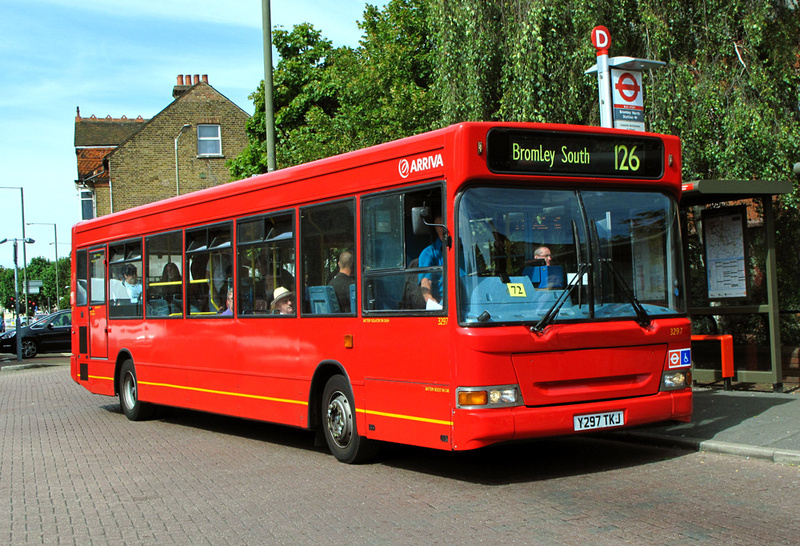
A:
48,335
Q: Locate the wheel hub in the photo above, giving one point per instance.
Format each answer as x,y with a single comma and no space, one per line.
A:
340,419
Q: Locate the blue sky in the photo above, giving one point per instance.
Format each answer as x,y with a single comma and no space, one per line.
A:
118,58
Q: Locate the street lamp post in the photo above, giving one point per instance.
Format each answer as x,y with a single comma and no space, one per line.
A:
55,246
177,178
24,252
16,292
269,116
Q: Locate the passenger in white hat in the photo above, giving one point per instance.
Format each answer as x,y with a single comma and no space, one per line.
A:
283,301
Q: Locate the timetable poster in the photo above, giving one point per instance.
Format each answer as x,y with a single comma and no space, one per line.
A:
723,233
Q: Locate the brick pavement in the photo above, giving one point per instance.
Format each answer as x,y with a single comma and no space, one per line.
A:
74,470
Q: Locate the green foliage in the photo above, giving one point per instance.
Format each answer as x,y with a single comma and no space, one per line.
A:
6,288
730,90
40,269
385,85
333,100
298,90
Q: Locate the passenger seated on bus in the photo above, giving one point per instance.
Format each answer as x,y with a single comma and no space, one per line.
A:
543,253
132,283
171,273
342,280
171,292
432,283
272,279
283,301
412,294
542,272
228,311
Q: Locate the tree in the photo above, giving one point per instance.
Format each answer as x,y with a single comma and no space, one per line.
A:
38,269
6,288
333,100
299,95
386,85
730,89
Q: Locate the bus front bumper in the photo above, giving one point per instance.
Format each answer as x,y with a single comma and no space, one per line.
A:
477,428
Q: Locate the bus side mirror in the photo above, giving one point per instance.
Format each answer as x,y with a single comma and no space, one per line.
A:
419,215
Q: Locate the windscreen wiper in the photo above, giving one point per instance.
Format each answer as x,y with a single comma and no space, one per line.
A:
642,318
551,314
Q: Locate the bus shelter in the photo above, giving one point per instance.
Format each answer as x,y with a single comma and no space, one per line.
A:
721,205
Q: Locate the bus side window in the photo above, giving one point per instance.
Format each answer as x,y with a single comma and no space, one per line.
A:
328,258
124,279
266,261
97,277
209,261
392,250
164,280
81,277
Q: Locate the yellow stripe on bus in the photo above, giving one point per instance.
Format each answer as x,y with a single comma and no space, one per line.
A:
272,399
211,391
406,417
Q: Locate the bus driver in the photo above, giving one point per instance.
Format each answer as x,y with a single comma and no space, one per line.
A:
431,256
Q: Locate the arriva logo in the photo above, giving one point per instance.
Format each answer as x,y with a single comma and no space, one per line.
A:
406,167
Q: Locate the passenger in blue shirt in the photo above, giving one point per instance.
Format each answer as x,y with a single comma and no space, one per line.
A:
432,284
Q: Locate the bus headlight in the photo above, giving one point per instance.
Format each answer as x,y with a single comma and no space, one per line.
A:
500,396
674,380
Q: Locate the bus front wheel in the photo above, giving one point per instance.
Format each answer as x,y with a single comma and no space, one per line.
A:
339,424
129,402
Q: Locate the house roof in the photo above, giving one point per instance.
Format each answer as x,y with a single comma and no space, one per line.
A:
90,160
108,131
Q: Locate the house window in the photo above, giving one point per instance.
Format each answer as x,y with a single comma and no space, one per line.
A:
87,205
209,141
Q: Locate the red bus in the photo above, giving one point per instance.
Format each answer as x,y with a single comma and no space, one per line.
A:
482,283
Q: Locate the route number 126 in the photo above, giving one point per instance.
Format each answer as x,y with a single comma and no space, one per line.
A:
626,160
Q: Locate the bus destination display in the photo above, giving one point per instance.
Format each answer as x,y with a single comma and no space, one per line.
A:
570,154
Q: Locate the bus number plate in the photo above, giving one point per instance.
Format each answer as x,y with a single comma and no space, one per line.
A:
598,420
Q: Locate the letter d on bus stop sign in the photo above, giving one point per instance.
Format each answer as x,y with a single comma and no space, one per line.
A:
601,39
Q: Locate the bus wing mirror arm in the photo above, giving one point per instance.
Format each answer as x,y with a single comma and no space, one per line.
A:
421,226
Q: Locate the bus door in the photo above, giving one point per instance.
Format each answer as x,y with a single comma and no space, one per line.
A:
98,313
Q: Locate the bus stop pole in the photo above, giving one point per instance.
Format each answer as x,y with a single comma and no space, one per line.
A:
772,296
601,39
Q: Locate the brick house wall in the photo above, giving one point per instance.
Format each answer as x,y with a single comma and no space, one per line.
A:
142,168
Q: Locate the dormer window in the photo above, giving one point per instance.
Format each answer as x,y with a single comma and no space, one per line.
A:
209,141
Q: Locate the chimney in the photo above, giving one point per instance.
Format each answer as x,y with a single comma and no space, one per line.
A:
196,79
184,83
204,77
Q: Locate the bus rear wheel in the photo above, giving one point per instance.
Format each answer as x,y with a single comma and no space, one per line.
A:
339,424
129,402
